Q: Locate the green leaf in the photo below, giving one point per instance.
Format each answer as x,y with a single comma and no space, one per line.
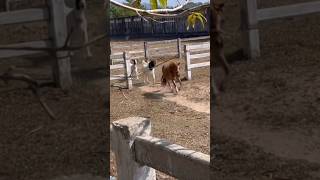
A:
193,20
201,18
154,4
189,21
163,3
193,17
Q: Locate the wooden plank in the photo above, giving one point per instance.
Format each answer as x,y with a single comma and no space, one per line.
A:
117,66
135,52
249,26
58,33
16,53
146,52
199,46
200,51
288,10
162,42
137,57
166,54
24,16
187,62
127,67
119,77
162,49
195,38
116,46
198,65
179,47
198,56
172,159
116,55
117,60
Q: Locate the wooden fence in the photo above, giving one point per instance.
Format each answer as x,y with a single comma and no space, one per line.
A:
116,59
138,154
55,15
153,49
251,16
125,66
136,26
196,53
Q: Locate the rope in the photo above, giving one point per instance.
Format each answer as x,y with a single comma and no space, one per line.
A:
165,61
155,66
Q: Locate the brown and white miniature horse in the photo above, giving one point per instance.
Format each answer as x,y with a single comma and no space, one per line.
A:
171,72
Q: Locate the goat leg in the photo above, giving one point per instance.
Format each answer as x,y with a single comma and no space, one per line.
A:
137,75
154,78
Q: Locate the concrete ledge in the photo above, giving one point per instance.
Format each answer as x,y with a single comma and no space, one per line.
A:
172,159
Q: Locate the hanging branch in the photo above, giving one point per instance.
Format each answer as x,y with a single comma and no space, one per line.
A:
33,85
163,12
154,11
120,89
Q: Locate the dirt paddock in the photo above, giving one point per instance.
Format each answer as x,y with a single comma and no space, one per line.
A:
35,147
266,124
182,119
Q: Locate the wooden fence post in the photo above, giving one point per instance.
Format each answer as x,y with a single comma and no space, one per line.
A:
249,26
58,33
126,59
7,5
123,134
146,53
179,47
187,60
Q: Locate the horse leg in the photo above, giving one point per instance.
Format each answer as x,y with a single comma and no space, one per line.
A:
175,85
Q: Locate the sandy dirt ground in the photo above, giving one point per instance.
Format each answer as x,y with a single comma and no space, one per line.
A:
35,147
170,117
266,124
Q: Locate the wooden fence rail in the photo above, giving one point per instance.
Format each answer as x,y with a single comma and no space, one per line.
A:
251,16
196,53
154,49
57,12
138,154
115,59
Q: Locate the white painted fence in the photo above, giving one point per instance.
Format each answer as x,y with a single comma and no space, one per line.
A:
125,66
171,47
133,54
138,154
196,53
251,16
57,12
153,49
